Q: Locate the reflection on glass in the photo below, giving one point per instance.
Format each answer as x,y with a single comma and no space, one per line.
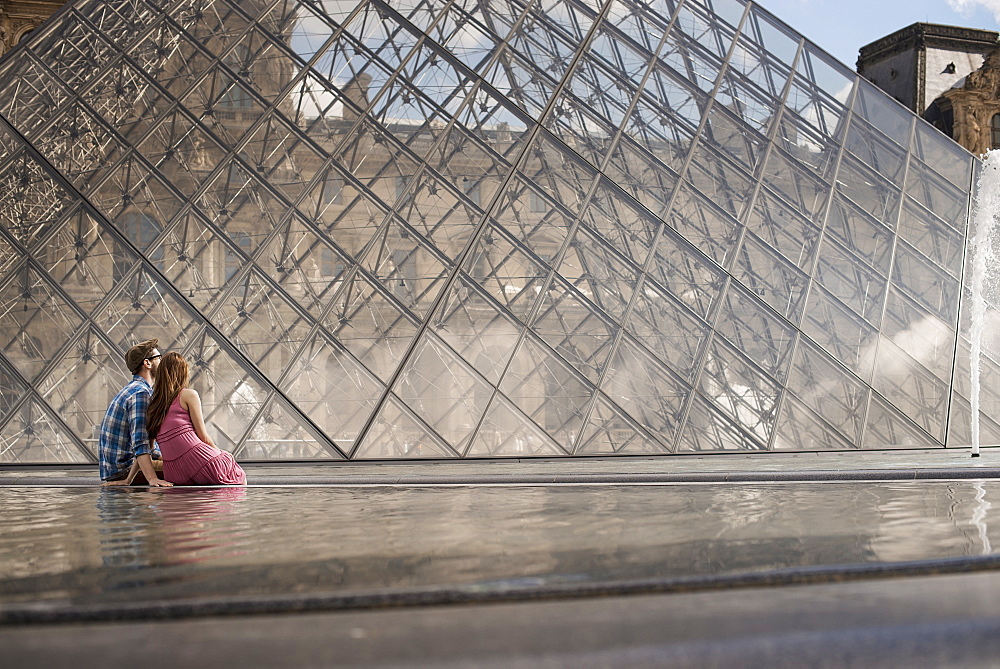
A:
473,229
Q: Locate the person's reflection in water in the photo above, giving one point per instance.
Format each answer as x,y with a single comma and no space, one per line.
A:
145,532
206,524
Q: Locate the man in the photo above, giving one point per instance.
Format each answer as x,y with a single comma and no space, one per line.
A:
125,451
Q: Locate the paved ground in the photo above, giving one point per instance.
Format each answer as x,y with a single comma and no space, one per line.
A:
940,621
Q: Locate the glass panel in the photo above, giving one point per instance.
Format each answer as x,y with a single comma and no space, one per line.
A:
616,220
886,428
410,271
11,389
851,281
33,435
333,390
748,325
753,108
610,431
859,233
911,388
777,282
925,281
30,201
877,152
547,391
875,196
506,432
795,184
713,231
443,391
799,429
262,324
305,265
230,395
38,321
840,332
777,224
707,430
667,115
82,383
883,112
506,272
598,274
641,176
397,433
476,330
746,396
734,139
926,187
829,390
821,108
941,243
806,144
370,325
775,37
924,337
278,434
688,275
667,329
720,182
85,259
574,330
646,391
949,159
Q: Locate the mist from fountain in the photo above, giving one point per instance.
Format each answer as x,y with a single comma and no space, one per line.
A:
985,224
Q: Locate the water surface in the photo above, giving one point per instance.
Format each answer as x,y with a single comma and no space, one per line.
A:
83,545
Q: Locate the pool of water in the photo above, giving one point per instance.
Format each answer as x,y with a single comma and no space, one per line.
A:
103,546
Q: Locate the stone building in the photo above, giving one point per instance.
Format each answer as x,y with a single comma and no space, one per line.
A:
946,74
17,19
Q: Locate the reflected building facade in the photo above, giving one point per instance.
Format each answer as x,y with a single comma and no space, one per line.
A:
450,229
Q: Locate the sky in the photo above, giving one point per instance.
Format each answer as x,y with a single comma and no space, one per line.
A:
842,27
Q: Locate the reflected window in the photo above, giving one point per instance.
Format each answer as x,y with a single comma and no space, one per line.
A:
995,132
538,204
233,260
401,183
141,230
404,278
330,264
233,95
471,188
333,189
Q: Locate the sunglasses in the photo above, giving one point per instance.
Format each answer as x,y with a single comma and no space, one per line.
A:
154,357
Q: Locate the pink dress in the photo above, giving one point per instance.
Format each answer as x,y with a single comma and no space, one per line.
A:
187,460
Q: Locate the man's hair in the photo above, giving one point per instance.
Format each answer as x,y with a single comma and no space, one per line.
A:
135,355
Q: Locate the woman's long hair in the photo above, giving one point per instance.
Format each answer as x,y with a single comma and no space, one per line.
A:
171,379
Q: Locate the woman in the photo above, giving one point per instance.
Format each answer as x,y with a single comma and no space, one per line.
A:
175,421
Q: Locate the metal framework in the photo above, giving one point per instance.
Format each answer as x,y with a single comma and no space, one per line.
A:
475,228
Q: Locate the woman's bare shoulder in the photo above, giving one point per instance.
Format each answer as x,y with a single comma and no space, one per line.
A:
187,395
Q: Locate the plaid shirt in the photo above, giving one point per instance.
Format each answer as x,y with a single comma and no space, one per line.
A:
123,430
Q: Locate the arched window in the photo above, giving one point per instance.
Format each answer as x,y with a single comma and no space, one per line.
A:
995,132
141,229
234,95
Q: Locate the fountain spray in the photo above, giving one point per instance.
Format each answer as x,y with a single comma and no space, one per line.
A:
985,220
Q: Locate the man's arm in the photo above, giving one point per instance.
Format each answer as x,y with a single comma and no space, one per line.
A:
140,441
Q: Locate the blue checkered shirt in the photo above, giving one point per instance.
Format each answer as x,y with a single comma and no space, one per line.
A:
123,430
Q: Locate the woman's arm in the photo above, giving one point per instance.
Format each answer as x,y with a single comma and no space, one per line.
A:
192,402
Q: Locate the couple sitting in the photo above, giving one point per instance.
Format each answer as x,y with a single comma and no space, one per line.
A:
158,406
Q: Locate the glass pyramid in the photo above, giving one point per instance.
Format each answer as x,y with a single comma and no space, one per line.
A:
466,229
